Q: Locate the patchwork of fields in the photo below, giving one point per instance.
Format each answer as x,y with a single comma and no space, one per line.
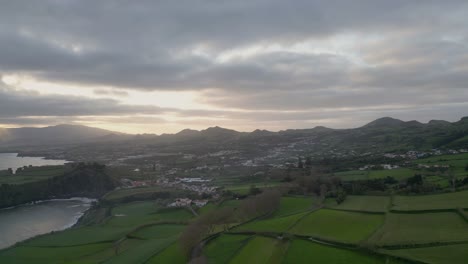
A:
138,232
362,229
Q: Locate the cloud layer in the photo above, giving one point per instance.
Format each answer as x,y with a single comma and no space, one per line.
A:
252,63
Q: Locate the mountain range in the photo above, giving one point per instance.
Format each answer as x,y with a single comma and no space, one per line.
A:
386,133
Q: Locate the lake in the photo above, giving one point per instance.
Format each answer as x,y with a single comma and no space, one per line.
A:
11,160
26,221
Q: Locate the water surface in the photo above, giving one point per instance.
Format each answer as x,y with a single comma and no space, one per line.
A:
26,221
11,160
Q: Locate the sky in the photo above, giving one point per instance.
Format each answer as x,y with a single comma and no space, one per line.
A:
163,66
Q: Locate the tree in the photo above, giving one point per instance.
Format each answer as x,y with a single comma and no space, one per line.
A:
323,192
308,163
300,165
415,180
340,196
10,171
254,190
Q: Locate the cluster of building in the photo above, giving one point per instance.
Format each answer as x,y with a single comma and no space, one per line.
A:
184,202
384,166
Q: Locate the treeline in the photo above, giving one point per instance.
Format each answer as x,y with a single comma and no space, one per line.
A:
250,208
83,180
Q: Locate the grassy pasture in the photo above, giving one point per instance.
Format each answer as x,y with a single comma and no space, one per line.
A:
32,174
355,175
172,254
277,224
349,227
301,251
431,202
137,213
352,175
456,162
421,229
442,158
244,189
361,203
159,231
453,254
230,203
143,252
291,205
28,254
225,247
122,193
79,236
258,250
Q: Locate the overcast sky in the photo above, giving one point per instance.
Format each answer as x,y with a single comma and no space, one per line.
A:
162,66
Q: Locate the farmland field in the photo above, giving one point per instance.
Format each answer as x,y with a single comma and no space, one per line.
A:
290,205
225,247
171,254
349,227
143,252
301,251
32,174
80,236
122,193
257,250
361,203
456,162
159,231
421,228
30,254
355,175
453,254
431,202
277,224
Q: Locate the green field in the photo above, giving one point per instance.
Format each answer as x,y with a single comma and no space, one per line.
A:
244,189
431,202
159,231
422,228
452,254
354,175
80,236
456,162
171,254
225,247
122,193
136,213
277,224
99,243
301,251
33,174
258,250
348,227
361,203
291,205
43,255
230,203
143,252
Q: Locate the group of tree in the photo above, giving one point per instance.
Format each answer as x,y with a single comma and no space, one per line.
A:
254,206
85,180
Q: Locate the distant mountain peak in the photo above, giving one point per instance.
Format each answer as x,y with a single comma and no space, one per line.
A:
438,122
218,131
385,121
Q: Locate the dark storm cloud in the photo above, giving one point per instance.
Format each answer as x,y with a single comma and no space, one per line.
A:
15,104
413,55
139,44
